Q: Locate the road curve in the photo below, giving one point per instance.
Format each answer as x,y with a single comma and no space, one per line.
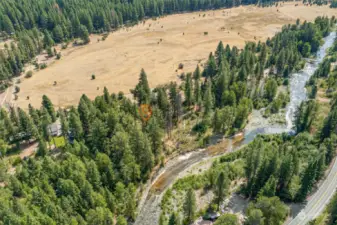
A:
319,200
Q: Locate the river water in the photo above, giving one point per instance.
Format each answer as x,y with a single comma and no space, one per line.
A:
150,203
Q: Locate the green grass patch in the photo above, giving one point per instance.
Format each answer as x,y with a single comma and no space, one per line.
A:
59,141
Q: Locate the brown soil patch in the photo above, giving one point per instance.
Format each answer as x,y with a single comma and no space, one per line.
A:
158,47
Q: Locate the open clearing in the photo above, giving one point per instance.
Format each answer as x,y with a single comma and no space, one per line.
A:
158,46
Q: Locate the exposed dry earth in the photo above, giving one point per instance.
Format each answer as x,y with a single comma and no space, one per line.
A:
158,46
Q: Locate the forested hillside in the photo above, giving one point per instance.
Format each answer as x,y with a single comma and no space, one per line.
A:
112,147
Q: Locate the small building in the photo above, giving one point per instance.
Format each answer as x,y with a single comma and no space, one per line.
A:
55,129
204,222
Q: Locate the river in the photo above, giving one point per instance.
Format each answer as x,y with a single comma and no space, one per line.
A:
150,203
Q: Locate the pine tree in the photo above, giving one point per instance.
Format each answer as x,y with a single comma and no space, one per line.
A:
26,125
174,219
84,34
190,206
269,188
141,148
34,115
197,73
58,34
270,89
219,53
49,106
308,180
197,92
155,133
142,91
221,188
162,219
85,116
64,124
211,68
106,96
93,175
42,148
7,25
47,39
208,99
76,27
217,121
3,149
188,90
75,126
162,100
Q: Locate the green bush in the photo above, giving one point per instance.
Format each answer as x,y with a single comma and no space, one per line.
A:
29,74
200,127
43,66
16,161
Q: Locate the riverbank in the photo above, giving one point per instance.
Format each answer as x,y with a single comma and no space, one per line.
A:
297,95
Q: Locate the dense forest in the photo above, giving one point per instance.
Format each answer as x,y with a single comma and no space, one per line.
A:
111,147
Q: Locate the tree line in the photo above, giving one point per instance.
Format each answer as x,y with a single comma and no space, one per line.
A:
39,25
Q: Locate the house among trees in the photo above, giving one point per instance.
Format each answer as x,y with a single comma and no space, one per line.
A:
55,129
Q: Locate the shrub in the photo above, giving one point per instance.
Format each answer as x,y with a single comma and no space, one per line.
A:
16,161
200,127
43,66
105,36
93,77
58,56
181,66
17,89
37,66
206,33
29,74
64,46
50,52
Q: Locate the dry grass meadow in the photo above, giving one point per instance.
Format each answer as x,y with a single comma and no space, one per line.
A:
158,46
